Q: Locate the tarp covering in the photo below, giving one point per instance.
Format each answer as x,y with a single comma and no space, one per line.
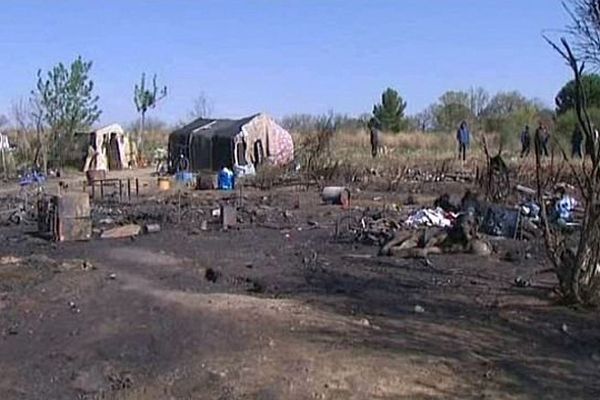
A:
210,144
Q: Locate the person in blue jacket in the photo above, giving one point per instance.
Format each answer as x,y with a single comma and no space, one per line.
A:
463,137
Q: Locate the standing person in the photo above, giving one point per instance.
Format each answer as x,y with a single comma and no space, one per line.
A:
525,141
542,137
463,137
576,140
375,135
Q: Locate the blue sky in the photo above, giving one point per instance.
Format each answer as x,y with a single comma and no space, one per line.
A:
284,56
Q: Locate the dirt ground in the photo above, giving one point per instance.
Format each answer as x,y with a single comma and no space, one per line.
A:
277,309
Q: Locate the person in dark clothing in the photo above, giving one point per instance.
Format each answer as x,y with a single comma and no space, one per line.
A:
463,137
375,140
525,141
576,141
542,138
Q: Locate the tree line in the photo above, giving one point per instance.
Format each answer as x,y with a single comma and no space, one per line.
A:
63,103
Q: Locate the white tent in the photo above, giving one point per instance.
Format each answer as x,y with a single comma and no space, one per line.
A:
109,148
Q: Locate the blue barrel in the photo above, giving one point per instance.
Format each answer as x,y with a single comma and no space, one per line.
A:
226,179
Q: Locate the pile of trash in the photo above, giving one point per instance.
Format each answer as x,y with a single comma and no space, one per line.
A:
430,217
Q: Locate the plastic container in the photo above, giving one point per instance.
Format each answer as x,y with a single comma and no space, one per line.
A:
164,184
226,179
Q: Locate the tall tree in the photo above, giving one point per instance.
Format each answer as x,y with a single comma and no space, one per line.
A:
66,102
452,108
389,114
201,108
565,99
478,101
145,99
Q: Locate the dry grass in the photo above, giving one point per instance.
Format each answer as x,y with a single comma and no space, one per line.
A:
348,158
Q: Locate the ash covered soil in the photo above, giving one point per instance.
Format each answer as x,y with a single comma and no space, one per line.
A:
277,309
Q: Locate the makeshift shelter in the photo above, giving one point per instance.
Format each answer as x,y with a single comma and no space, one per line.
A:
108,149
209,144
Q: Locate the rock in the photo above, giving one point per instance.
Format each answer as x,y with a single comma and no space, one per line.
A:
419,309
122,232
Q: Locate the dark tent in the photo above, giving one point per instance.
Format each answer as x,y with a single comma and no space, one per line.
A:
208,144
241,144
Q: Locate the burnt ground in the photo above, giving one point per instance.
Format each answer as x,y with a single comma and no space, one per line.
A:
280,310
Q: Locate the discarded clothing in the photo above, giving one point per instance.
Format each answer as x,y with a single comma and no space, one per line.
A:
430,217
530,210
501,221
564,208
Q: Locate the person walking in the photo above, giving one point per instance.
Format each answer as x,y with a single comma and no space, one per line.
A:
525,142
542,137
576,141
375,136
463,137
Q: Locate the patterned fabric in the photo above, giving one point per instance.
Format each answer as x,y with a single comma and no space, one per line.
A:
275,141
282,148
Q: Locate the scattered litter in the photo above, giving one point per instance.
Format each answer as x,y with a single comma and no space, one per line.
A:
521,282
112,276
564,208
501,221
419,309
152,228
10,260
430,217
336,195
74,307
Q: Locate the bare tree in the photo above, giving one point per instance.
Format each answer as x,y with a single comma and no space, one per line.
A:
478,101
21,119
578,267
585,28
201,108
146,98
